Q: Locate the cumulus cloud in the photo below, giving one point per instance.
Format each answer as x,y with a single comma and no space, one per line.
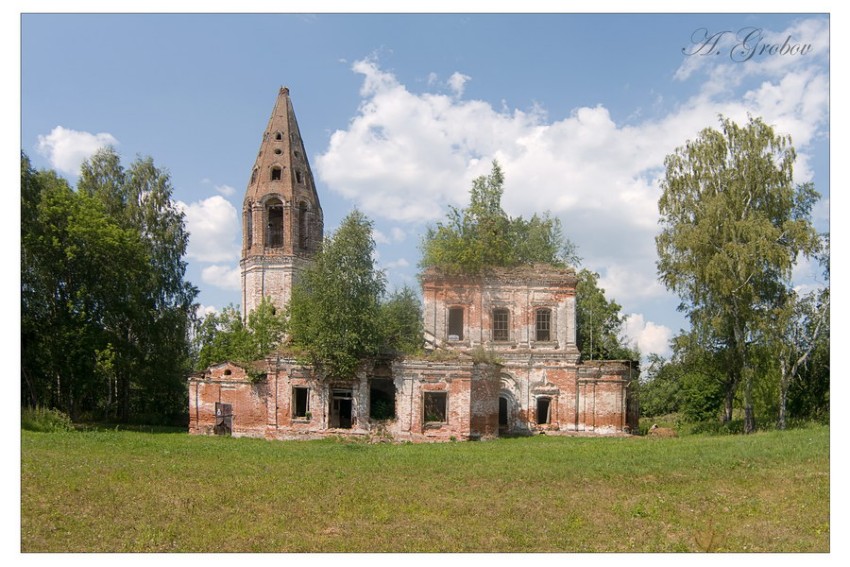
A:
224,277
67,149
400,263
213,226
406,156
225,190
202,311
380,237
649,337
457,82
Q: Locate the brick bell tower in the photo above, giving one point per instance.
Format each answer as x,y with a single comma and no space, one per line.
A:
282,223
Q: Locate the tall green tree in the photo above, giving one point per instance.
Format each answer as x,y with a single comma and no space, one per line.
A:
78,269
800,324
599,322
106,308
733,224
334,314
482,235
401,322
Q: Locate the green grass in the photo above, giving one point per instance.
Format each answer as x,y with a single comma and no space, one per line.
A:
120,491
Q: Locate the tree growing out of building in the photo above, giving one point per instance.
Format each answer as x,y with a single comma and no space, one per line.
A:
483,236
225,336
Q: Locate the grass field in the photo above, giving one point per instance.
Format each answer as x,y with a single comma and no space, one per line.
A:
121,491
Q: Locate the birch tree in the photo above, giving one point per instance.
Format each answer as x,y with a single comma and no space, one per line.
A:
733,224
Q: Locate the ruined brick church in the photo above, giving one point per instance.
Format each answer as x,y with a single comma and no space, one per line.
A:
525,316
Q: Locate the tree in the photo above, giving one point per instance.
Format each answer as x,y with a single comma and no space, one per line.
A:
224,336
334,314
401,322
599,322
733,225
105,307
799,323
78,269
660,387
482,235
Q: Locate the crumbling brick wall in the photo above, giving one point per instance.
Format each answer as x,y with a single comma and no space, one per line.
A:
471,398
228,383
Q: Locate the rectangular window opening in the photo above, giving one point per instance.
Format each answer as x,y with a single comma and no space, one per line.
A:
500,325
300,402
455,324
381,399
435,407
544,321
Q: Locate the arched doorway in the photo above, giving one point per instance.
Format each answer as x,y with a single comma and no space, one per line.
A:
504,414
508,405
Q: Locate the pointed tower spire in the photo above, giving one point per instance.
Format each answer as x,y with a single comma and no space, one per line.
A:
282,223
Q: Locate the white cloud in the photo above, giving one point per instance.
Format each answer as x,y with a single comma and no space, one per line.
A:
225,190
400,263
398,234
379,237
203,310
224,277
407,156
457,82
68,149
213,226
649,337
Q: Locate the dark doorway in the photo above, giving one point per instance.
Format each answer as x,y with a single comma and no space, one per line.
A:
345,414
341,409
503,414
543,410
223,419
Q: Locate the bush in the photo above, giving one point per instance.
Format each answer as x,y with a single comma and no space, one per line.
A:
45,420
714,427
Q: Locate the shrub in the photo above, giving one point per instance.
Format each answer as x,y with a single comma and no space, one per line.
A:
45,420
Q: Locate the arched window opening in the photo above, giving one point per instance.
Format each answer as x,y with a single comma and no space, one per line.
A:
276,172
274,228
254,176
298,177
500,324
278,136
303,236
543,325
249,228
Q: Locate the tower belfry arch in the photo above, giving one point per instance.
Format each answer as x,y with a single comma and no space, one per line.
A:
282,221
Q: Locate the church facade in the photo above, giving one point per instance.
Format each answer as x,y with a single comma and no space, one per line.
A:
504,359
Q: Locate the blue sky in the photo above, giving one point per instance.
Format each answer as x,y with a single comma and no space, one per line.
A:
400,112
